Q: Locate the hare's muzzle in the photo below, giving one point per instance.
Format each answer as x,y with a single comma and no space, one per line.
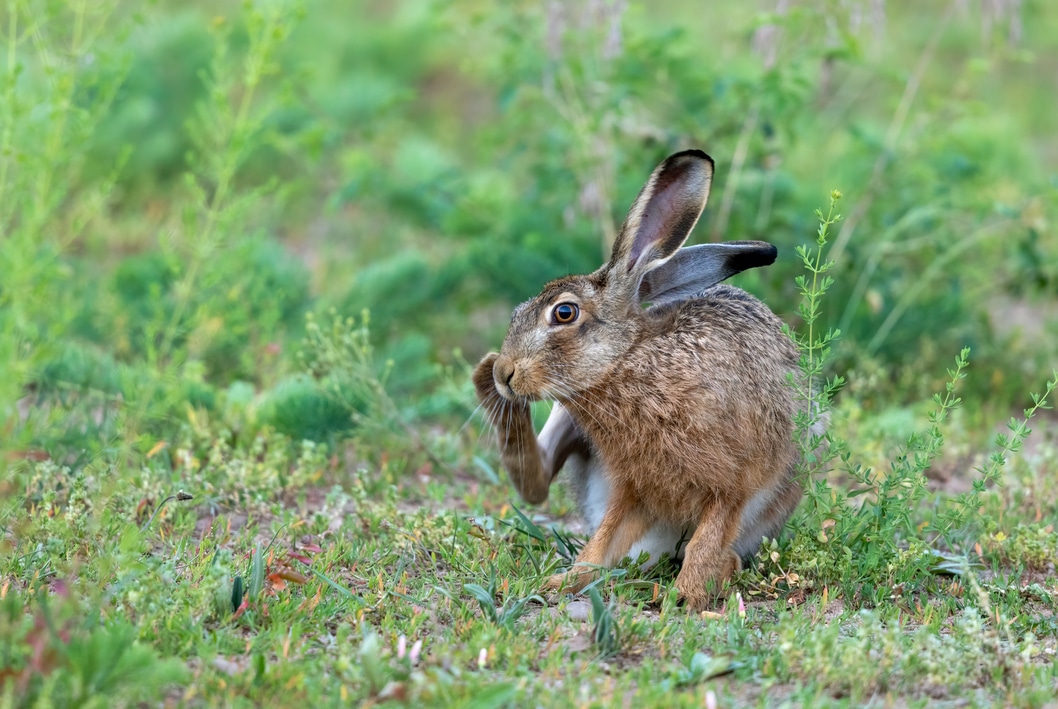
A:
503,373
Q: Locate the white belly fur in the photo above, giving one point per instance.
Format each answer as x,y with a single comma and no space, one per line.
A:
591,488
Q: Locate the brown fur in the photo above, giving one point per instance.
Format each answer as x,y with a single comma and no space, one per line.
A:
688,405
700,400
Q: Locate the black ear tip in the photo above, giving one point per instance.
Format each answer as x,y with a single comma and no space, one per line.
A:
752,254
762,250
693,153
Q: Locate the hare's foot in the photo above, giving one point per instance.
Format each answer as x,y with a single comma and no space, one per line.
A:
571,582
700,591
709,560
623,525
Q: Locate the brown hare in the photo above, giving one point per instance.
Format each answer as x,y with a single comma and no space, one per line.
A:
676,419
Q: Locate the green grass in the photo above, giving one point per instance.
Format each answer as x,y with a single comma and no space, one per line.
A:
249,252
335,575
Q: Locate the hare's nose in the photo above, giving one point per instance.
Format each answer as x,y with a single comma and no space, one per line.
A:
503,372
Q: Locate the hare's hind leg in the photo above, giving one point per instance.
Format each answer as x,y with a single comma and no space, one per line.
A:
766,515
709,556
559,439
624,523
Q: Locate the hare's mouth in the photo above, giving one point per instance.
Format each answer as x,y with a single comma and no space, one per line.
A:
508,393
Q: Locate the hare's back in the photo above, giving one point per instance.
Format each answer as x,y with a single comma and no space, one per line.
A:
720,359
728,327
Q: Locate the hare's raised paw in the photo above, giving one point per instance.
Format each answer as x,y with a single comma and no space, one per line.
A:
484,385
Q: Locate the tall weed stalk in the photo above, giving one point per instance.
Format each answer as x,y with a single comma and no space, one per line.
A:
58,78
229,125
873,532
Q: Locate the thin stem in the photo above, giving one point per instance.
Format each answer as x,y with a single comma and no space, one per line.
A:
239,130
9,102
892,136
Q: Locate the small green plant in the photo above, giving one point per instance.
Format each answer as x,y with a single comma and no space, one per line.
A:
50,657
542,541
703,667
606,633
876,526
303,409
963,513
508,613
813,391
52,97
346,393
877,533
224,133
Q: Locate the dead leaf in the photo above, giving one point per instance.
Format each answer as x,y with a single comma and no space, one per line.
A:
292,576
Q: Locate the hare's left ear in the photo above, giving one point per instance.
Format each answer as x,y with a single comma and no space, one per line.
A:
661,218
695,268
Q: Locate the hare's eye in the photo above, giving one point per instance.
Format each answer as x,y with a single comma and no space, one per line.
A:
565,313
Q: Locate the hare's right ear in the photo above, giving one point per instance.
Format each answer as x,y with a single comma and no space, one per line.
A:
660,220
696,268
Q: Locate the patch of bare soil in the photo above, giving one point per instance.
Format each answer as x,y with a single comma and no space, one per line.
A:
1018,317
954,473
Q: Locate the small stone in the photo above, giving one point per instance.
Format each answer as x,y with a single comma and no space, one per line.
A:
578,643
227,666
578,610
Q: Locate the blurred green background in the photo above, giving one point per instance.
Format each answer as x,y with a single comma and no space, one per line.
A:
181,182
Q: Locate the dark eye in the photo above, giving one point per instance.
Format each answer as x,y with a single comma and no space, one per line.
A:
565,313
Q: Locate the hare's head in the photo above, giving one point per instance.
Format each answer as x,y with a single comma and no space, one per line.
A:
561,341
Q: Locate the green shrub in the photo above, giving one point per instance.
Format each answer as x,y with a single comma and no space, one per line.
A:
304,409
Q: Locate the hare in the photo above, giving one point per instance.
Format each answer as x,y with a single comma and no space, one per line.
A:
677,418
562,446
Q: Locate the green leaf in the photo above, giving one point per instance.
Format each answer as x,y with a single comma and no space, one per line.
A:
257,573
493,696
236,593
